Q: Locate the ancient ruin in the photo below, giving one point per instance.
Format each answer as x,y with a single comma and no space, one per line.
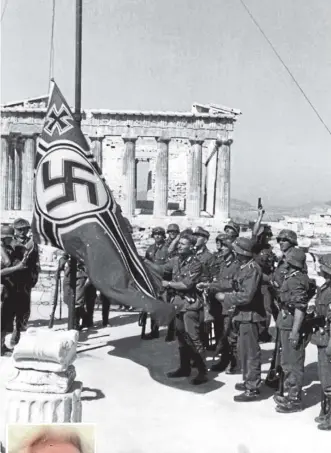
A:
168,161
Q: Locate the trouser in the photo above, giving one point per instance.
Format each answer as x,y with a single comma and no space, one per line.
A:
22,309
7,313
250,354
105,306
188,331
270,309
229,341
90,297
324,370
293,363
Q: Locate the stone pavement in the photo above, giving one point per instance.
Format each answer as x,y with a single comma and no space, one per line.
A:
138,410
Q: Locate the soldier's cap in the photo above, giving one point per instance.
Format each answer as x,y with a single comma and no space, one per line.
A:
224,239
7,231
288,235
21,223
297,258
243,246
173,227
158,230
266,230
199,231
325,263
233,227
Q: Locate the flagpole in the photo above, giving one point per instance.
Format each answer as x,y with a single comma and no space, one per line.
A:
78,117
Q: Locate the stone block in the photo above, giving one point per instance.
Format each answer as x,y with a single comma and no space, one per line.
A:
28,407
46,350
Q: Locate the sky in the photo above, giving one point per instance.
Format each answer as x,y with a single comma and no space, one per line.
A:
168,54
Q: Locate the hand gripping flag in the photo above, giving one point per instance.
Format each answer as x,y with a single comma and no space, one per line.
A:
74,210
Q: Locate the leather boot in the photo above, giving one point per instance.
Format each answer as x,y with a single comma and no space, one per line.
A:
247,396
154,333
201,377
222,364
232,367
326,424
184,369
105,304
80,318
90,303
171,332
290,404
324,409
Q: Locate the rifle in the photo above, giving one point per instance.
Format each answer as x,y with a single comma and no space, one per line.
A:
55,297
275,376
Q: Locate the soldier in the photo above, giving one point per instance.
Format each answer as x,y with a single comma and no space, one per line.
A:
172,240
322,339
232,229
293,303
206,258
247,302
157,254
9,269
287,240
24,248
226,336
186,271
266,259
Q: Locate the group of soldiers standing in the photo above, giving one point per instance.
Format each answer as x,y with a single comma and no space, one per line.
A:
240,288
19,274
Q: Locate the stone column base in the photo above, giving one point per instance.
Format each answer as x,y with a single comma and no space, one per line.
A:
26,407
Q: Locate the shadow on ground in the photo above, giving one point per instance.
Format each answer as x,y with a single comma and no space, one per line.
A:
159,357
97,394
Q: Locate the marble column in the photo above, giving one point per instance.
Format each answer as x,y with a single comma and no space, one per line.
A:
28,159
194,179
129,195
161,178
19,143
11,172
96,148
222,195
4,171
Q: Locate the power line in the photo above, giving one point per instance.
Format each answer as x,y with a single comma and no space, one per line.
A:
51,52
4,10
285,66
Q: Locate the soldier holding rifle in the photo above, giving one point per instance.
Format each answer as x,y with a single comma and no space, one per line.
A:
246,299
322,339
294,298
223,281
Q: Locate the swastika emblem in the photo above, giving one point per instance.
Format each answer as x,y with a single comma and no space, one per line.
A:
58,119
68,181
67,185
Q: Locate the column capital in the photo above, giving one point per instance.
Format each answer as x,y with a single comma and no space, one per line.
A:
224,141
162,139
128,139
196,141
98,138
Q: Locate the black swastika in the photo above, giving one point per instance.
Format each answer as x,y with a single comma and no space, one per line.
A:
68,181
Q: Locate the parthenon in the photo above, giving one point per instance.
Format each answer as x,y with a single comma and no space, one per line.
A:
176,160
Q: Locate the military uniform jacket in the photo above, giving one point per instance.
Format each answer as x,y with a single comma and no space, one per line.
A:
188,271
293,294
281,269
157,254
323,308
217,262
27,278
224,281
247,297
206,258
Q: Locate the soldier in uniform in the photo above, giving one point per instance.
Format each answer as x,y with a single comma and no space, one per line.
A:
206,258
157,253
9,269
186,271
293,304
24,249
223,281
172,240
322,339
232,229
247,302
287,240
